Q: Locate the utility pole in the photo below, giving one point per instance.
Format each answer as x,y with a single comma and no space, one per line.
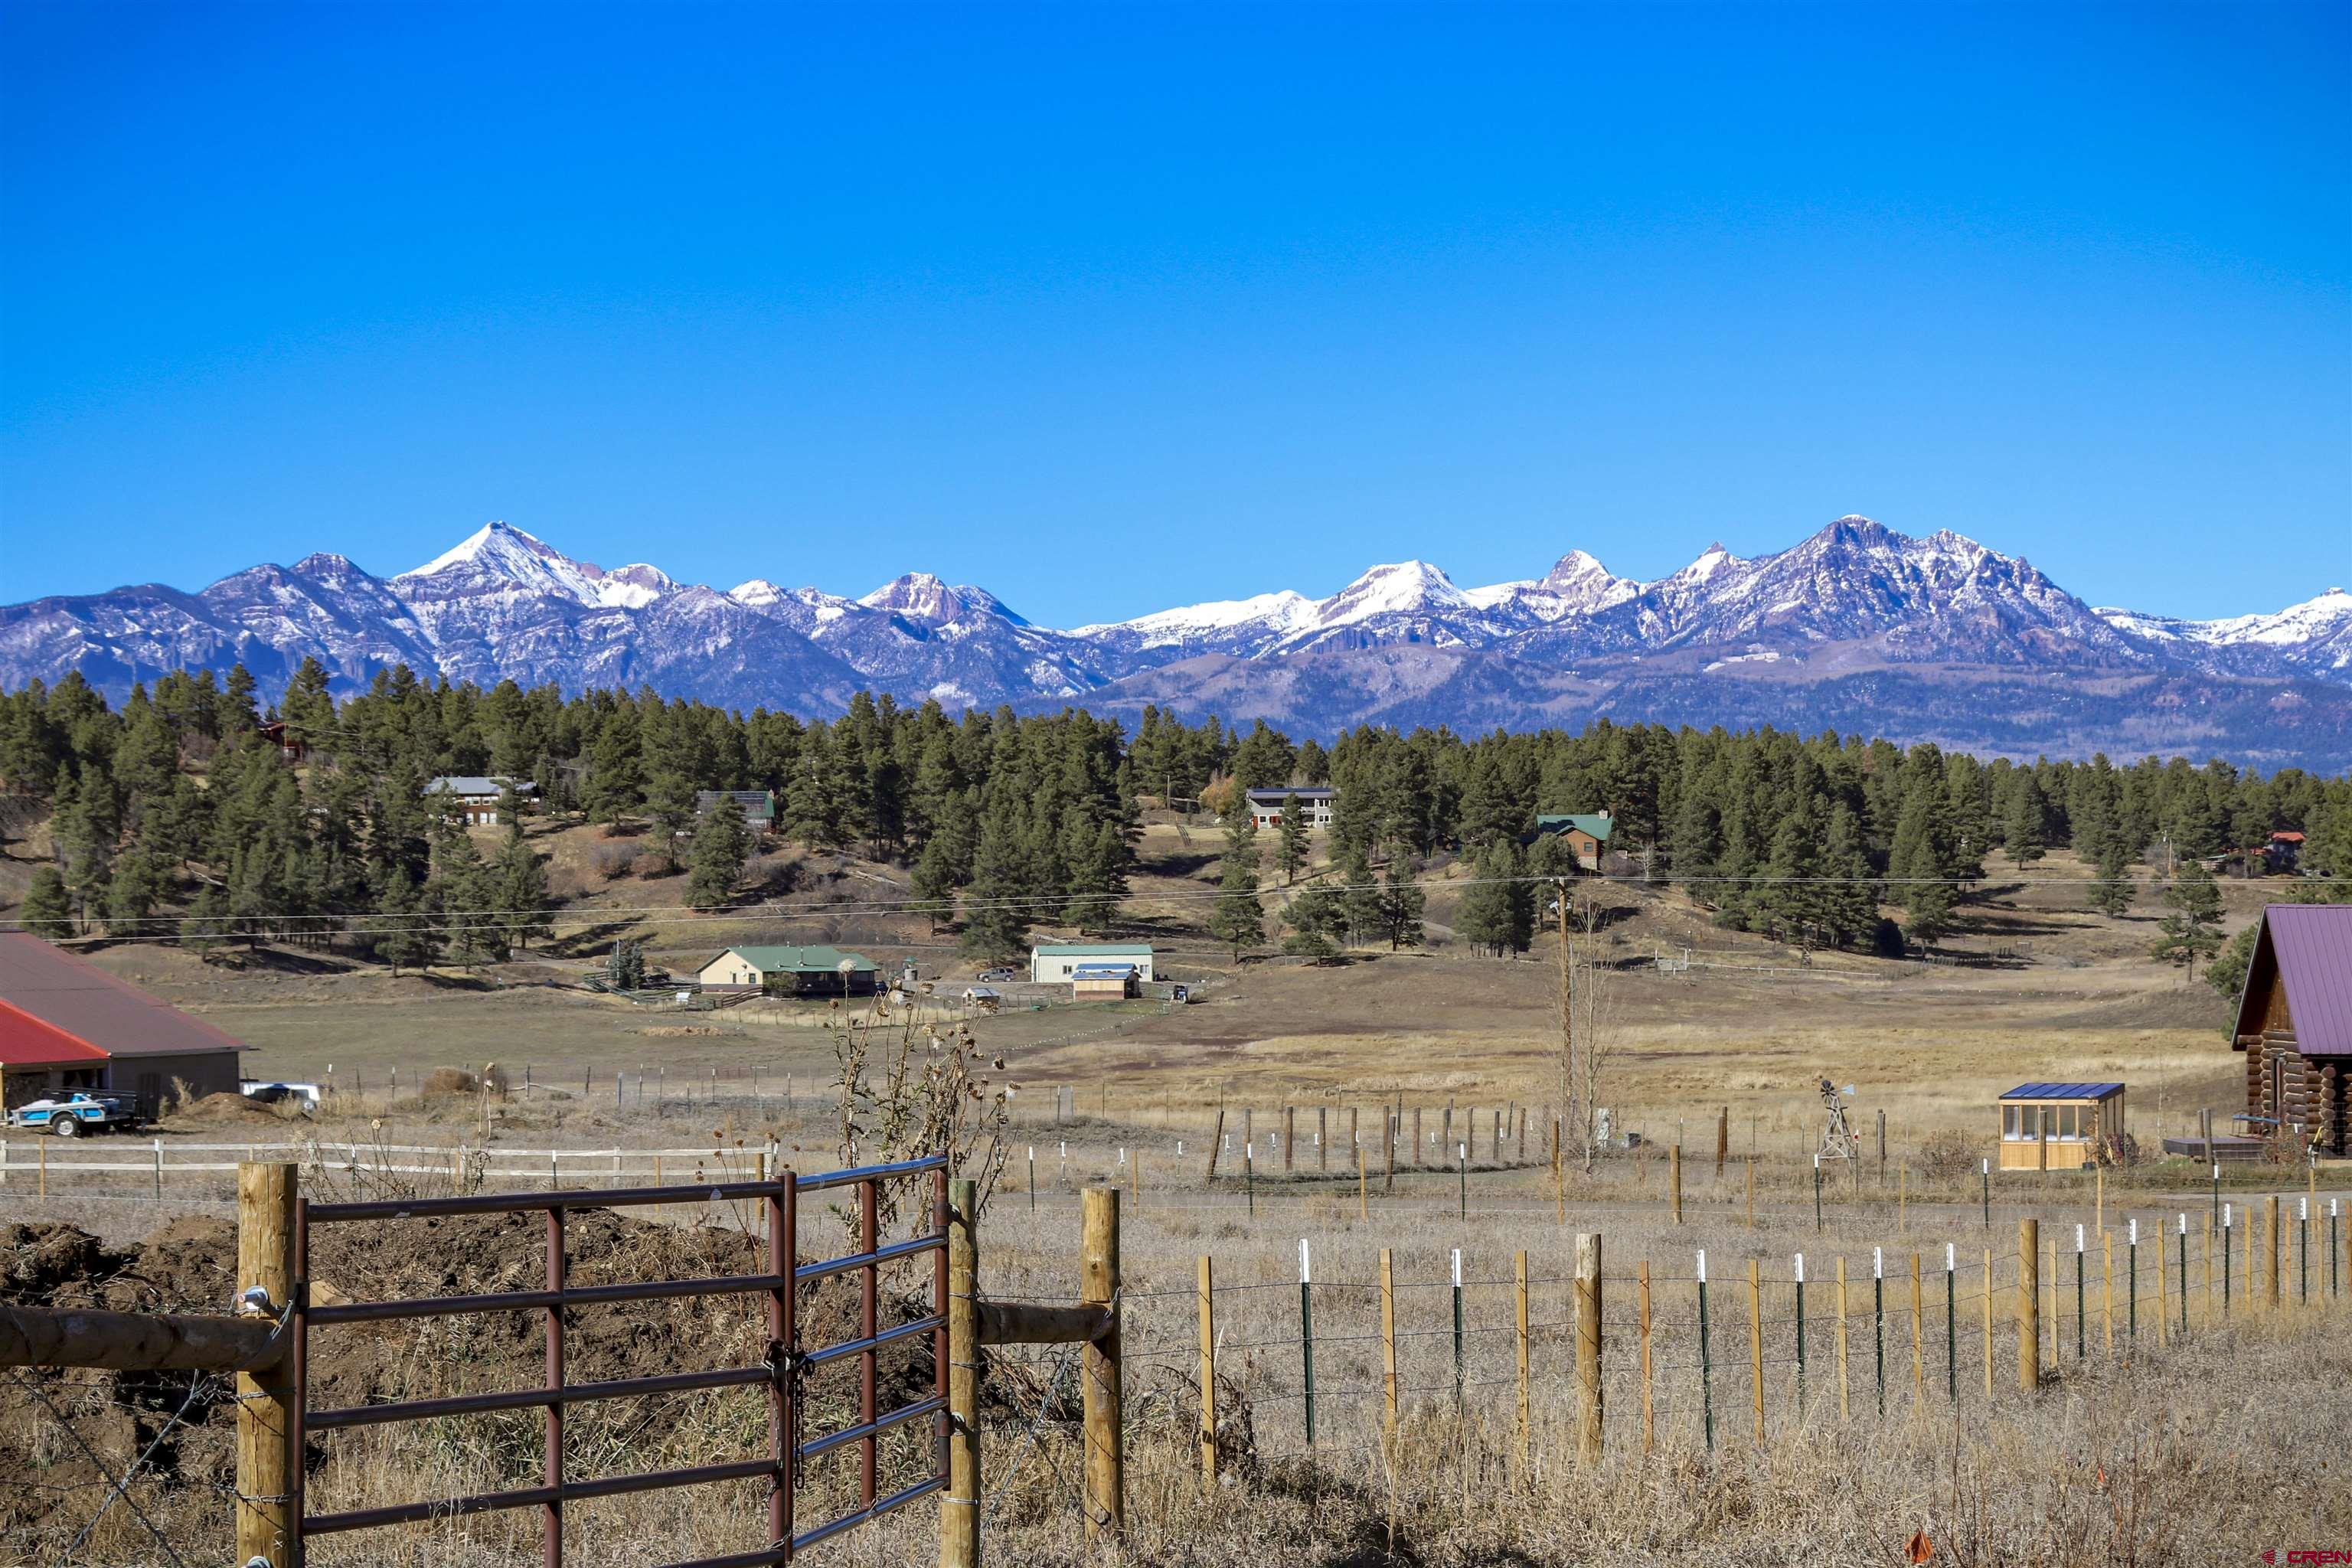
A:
1568,1087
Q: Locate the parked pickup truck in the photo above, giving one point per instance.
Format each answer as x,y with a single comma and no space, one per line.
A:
76,1114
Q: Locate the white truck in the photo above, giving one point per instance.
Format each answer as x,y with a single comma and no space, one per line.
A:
77,1113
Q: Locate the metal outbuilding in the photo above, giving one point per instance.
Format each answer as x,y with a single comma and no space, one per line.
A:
64,1022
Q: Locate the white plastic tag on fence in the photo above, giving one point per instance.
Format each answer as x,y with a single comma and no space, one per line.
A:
2184,1224
1800,1268
1951,1258
1066,1148
1179,1148
1987,1164
1878,1263
2135,1233
2217,1170
2225,1216
1702,1265
2078,1239
1302,1261
2303,1204
1122,1156
1457,1268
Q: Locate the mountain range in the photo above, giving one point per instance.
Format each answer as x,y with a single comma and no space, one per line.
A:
1857,628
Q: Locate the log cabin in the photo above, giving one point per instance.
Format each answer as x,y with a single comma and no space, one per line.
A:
2295,1023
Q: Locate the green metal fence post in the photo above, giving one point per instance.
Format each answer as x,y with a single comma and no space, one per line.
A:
2183,1250
1458,1330
1951,1321
1462,1163
1249,1174
1705,1361
1817,1194
1988,1193
1032,1178
1878,1318
1306,1339
2078,1292
1801,1333
2131,1254
2303,1250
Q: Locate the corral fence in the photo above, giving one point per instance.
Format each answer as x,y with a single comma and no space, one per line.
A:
1655,1357
269,1345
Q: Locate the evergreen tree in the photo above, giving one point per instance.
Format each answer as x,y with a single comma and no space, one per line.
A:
207,925
2193,931
996,914
1318,919
1401,902
722,842
1497,909
1237,919
47,912
1098,881
1917,867
2024,830
519,877
1848,909
2113,893
669,801
616,787
1291,843
1360,898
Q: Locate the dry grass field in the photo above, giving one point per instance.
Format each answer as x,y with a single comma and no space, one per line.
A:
2141,1454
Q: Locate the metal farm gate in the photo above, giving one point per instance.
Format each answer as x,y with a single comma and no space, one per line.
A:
786,1363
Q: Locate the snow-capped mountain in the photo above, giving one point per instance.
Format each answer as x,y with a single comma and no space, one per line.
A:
2314,637
1856,626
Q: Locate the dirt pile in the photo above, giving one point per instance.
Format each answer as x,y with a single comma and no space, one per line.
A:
224,1109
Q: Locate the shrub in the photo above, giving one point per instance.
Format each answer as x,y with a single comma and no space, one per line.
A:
1950,1152
615,861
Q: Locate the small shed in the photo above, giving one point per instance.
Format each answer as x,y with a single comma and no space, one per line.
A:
2295,1023
1102,982
2058,1126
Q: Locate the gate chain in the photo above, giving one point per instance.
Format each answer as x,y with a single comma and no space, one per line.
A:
140,1514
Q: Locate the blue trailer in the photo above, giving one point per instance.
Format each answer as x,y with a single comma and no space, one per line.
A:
77,1113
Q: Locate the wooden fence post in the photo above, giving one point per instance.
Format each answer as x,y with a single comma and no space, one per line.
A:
1388,1146
1323,1138
1388,1344
1527,1417
1988,1323
2107,1287
959,1504
1217,1144
1641,1306
1674,1179
1756,1343
1289,1136
1587,1346
1208,1295
2029,1304
1918,1338
2271,1253
1845,1388
1722,1139
1363,1201
265,1421
1105,1407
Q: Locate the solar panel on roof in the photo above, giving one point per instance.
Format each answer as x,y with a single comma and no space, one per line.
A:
2064,1092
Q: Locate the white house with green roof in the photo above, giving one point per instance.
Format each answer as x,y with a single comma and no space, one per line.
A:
1057,963
791,971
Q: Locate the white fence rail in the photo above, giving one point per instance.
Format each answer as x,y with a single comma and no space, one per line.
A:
39,1161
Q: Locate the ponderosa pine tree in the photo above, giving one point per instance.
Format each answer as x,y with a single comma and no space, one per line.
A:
722,842
2114,891
2193,931
47,912
1290,841
1401,903
1237,919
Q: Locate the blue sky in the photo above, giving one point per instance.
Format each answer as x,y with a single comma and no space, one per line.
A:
1108,309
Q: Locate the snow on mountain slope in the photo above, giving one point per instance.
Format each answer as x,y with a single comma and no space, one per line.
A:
1853,598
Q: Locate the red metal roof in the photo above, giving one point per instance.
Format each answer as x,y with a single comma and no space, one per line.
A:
2311,944
77,998
27,1042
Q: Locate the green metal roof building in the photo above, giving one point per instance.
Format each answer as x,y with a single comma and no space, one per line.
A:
790,971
